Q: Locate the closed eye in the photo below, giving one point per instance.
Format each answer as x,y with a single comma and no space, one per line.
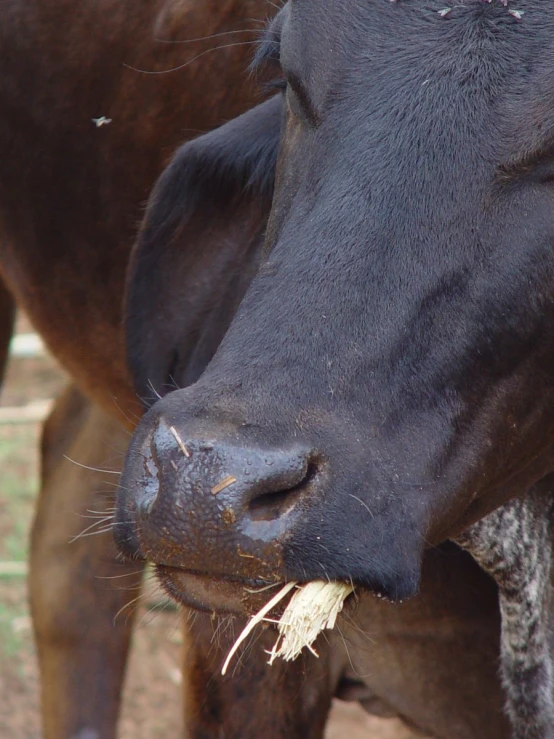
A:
300,101
279,83
268,58
538,165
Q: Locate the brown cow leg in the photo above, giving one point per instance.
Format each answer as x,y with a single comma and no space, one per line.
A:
253,700
81,651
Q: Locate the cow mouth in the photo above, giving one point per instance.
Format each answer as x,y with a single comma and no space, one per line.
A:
213,594
221,595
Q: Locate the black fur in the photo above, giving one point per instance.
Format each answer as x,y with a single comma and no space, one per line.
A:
399,338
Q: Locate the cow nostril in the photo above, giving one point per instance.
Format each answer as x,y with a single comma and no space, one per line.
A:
273,505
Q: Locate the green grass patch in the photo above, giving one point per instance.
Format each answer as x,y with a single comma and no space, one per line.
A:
19,481
18,487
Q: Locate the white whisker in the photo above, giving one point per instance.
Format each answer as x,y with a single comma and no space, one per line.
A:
186,64
92,469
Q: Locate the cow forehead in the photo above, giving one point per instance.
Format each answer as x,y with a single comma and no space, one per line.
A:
379,55
399,13
322,35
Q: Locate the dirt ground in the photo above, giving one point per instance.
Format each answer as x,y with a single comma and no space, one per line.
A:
151,706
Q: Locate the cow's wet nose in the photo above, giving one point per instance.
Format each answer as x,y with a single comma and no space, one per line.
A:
260,483
202,498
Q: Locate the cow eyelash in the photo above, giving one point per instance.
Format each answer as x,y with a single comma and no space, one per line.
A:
268,52
268,57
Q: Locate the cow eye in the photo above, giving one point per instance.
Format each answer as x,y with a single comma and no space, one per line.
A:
538,166
279,83
299,101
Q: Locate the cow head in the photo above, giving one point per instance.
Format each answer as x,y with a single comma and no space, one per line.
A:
388,376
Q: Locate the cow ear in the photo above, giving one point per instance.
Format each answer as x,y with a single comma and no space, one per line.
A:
198,249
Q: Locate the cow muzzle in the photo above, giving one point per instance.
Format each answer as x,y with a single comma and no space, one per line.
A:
201,506
226,505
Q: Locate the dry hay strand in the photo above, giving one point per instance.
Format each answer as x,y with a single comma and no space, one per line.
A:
313,608
180,442
225,483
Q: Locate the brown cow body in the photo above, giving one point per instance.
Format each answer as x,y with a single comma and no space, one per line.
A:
71,194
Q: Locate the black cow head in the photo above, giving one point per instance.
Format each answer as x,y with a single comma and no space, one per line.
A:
389,374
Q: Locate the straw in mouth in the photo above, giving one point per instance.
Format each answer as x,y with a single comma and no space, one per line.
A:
312,608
